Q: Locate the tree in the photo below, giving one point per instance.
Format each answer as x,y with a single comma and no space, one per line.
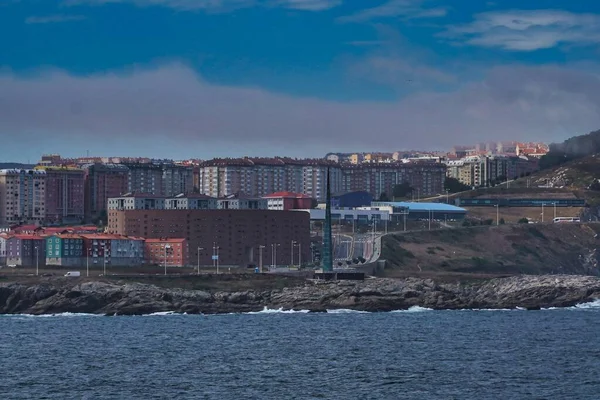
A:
523,221
384,197
502,222
402,190
453,185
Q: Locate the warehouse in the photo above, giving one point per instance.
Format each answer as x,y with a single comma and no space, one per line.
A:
415,211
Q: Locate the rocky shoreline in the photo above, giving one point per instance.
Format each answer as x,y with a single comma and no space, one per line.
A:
97,297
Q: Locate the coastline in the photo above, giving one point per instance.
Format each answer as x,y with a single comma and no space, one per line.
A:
528,292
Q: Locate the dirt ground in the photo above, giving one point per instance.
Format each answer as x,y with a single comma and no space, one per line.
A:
514,214
505,249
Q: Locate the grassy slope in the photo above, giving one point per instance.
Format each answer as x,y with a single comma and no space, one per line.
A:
506,249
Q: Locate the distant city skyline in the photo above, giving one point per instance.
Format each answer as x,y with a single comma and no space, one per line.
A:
203,79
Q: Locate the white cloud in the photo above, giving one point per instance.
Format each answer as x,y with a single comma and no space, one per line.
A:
397,8
528,30
512,102
49,19
217,5
308,5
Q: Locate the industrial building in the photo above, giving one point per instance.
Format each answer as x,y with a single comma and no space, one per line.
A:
415,211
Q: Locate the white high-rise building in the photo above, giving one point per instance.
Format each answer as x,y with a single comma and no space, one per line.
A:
22,196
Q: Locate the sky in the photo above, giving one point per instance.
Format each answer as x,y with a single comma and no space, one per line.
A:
229,78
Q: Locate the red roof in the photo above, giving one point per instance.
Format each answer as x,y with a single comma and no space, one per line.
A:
25,227
287,195
28,237
166,240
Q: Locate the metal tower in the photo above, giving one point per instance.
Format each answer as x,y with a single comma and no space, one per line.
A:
327,244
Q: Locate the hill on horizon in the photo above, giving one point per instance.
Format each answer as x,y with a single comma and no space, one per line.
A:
573,148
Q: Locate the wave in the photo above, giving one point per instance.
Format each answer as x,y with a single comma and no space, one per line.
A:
413,309
595,304
591,304
346,311
163,313
277,311
65,314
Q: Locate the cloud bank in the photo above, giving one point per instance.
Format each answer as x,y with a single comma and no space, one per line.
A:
173,102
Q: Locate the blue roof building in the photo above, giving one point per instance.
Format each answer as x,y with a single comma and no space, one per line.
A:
422,210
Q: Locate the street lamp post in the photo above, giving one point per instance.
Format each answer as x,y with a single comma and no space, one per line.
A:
542,212
429,214
104,258
215,257
166,248
37,261
199,248
260,259
272,255
292,255
87,262
497,215
300,254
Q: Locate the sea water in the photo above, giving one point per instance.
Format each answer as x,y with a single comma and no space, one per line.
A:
414,354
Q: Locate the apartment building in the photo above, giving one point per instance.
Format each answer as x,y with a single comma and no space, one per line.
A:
65,194
103,181
177,179
258,177
114,250
144,178
426,179
23,250
65,250
22,196
485,170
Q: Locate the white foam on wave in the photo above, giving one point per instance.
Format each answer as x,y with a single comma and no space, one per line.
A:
277,311
591,304
161,313
414,309
346,311
65,314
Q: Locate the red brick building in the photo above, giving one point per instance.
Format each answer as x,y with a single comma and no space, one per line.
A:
103,181
172,250
238,233
64,195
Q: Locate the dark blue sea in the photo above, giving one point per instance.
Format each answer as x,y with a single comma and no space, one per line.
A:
415,354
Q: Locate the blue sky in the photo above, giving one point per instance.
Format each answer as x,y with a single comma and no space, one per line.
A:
205,78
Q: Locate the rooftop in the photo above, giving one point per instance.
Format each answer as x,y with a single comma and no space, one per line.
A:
412,206
166,240
287,195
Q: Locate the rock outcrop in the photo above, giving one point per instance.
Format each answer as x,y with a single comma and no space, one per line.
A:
531,292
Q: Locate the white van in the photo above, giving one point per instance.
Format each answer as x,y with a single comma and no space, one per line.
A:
73,273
